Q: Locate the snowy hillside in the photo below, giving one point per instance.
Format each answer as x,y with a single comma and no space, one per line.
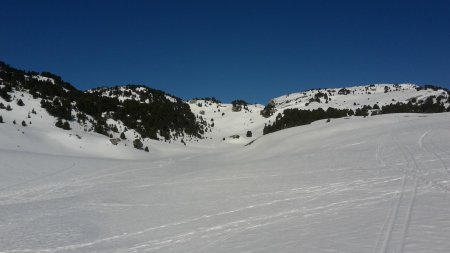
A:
375,184
39,133
131,92
355,97
225,123
229,124
74,176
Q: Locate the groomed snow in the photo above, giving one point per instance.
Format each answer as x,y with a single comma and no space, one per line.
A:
375,184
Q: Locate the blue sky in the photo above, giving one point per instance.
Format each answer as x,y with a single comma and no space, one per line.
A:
253,50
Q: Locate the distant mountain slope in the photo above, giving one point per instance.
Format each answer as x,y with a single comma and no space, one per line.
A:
158,116
226,123
356,97
305,107
136,115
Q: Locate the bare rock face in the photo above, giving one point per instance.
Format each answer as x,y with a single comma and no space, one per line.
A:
269,110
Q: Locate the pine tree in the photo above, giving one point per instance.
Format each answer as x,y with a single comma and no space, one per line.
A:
20,102
24,123
66,125
1,119
59,123
146,149
122,136
137,144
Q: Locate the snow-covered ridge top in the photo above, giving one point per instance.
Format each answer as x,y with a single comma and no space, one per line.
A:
355,96
41,78
373,88
117,88
130,92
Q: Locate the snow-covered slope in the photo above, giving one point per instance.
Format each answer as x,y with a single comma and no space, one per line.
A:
130,92
222,124
229,123
356,97
40,135
375,184
226,123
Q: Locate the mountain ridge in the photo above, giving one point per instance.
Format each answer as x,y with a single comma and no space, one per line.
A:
131,114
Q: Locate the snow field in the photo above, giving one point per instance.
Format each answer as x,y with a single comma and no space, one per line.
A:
375,184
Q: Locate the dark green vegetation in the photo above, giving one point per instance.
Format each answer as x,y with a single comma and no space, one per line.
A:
297,117
430,105
209,99
64,125
238,104
150,112
137,143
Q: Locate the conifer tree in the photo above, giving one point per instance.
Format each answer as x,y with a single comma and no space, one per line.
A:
20,102
137,143
66,125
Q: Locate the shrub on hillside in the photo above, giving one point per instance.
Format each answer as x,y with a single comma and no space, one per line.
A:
66,125
268,110
137,143
63,125
238,104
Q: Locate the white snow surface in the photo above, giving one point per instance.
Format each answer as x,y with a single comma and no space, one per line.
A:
41,78
359,96
228,123
375,184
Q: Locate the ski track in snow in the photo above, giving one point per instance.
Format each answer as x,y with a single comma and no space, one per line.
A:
393,215
364,192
